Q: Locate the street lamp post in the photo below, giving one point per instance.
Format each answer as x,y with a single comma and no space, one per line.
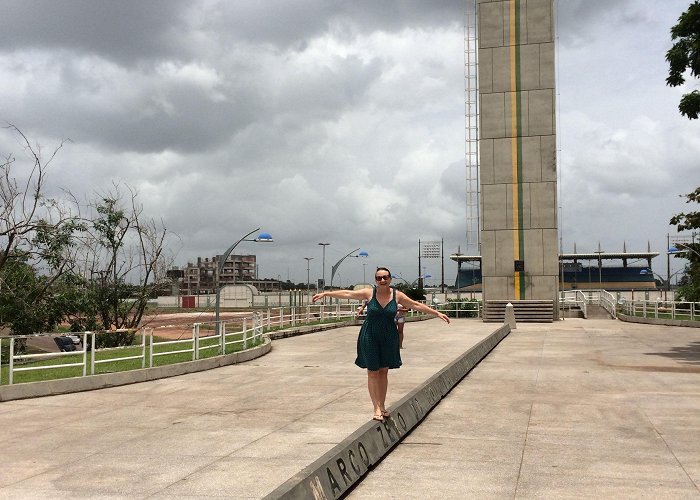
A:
335,267
600,267
261,238
308,261
323,267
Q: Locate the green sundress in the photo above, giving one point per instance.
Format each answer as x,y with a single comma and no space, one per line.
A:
378,342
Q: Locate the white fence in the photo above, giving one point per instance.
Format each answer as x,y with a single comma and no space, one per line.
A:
224,336
658,309
149,348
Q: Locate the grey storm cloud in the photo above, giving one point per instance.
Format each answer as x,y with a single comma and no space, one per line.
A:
335,121
126,31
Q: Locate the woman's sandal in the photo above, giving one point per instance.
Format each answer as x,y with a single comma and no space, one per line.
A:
386,414
378,417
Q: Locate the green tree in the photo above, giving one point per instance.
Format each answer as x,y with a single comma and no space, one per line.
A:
690,220
684,55
413,292
29,304
95,272
689,287
37,240
124,257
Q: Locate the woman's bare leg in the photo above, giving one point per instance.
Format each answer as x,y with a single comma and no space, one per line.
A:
378,384
383,387
374,387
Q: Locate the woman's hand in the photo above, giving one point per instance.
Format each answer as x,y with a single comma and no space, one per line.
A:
443,317
318,296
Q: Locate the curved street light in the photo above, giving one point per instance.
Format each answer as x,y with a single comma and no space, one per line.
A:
261,238
419,278
399,277
687,248
335,267
664,281
413,283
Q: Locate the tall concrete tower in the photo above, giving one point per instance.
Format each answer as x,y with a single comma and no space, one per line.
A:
520,258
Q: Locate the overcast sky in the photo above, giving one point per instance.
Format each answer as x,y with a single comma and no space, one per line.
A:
338,122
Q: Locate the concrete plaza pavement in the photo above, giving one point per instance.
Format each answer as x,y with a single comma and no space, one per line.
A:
575,409
234,432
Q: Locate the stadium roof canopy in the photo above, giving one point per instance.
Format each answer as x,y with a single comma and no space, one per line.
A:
624,256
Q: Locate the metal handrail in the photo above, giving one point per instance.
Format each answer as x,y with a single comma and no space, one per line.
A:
579,299
607,301
251,331
602,298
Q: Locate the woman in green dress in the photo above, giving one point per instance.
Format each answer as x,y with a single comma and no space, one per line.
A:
378,342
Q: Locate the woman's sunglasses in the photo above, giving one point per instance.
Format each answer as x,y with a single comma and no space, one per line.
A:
382,278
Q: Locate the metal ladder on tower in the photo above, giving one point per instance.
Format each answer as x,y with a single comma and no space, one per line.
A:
471,128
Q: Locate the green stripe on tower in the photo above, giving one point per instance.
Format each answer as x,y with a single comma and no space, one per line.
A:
521,234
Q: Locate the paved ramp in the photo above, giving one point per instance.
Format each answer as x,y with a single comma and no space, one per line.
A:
235,432
573,409
576,409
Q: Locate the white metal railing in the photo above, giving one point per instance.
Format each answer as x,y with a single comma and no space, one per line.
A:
658,309
281,317
12,357
574,298
607,301
250,333
582,299
142,356
244,333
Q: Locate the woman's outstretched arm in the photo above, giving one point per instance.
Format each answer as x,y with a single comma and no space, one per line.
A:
406,301
364,293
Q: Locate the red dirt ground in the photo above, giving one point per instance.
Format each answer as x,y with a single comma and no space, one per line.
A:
179,325
168,325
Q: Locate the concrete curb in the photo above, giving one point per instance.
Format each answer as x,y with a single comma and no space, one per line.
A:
104,380
342,467
659,321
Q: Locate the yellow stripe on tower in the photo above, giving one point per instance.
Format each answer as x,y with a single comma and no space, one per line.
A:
514,141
